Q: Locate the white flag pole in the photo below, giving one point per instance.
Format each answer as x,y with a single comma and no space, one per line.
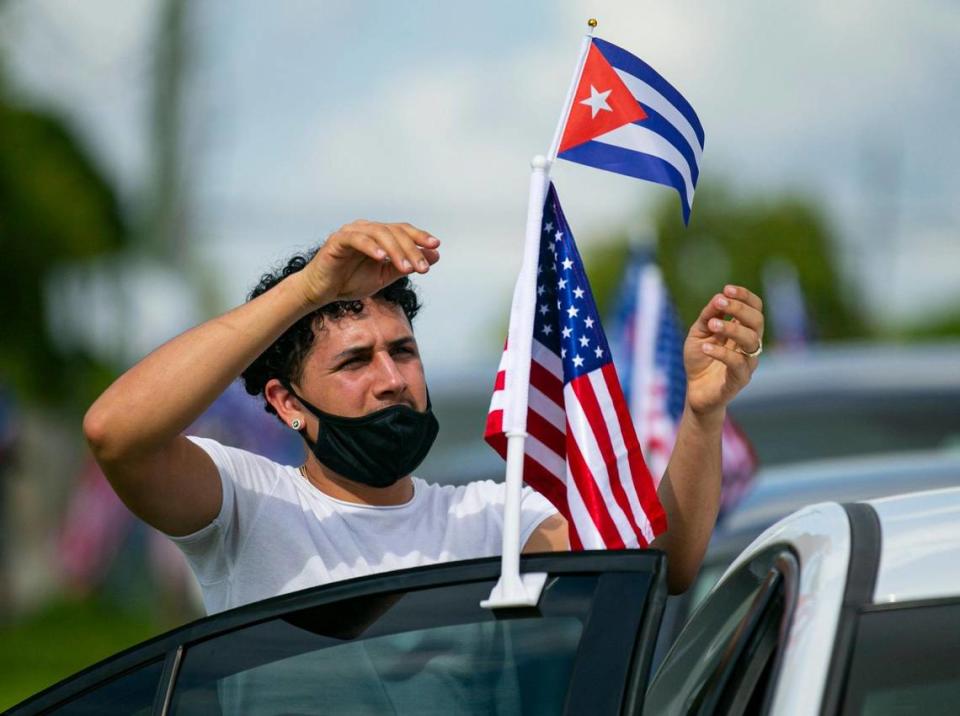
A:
514,590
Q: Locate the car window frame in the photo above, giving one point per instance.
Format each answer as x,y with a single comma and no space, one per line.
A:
171,646
735,701
719,693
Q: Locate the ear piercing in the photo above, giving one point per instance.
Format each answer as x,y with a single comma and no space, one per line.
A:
296,424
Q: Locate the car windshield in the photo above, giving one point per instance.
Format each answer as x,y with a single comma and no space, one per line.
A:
424,652
905,661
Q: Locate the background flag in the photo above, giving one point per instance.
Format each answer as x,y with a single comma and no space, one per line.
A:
582,451
786,306
647,344
626,118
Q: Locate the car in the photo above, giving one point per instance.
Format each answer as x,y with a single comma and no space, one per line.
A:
780,490
836,609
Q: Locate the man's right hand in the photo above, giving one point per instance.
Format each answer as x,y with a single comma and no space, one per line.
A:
362,257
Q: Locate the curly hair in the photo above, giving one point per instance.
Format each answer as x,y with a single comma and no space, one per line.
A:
285,356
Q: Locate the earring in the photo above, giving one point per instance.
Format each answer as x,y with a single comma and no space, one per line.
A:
296,424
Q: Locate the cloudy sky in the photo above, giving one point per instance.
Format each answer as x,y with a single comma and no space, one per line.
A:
305,115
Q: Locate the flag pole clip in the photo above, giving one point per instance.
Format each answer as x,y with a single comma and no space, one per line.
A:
524,591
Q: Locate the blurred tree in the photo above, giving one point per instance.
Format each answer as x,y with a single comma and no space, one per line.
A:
733,239
55,208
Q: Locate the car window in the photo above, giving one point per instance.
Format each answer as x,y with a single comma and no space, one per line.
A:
905,661
423,652
729,641
131,694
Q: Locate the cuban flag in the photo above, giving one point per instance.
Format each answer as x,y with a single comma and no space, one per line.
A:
581,449
626,118
647,344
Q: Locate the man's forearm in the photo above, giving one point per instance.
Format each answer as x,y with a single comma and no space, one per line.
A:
690,494
164,393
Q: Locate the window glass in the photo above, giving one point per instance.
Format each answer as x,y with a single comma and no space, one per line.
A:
905,661
686,672
424,652
129,695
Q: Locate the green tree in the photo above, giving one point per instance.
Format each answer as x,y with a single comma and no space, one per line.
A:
55,209
731,239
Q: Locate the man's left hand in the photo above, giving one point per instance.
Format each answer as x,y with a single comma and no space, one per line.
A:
715,353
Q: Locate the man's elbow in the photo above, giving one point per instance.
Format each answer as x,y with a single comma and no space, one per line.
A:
101,437
95,429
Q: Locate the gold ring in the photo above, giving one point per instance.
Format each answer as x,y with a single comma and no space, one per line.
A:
756,352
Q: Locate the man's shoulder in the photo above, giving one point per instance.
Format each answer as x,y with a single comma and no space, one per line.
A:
238,464
477,491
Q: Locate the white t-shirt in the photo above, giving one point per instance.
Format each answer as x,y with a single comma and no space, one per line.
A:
277,533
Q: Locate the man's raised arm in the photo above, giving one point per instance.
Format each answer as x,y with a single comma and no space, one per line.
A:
718,367
135,428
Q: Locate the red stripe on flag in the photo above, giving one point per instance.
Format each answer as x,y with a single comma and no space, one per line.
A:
658,444
546,483
494,433
545,432
501,381
590,494
583,389
642,480
554,488
546,382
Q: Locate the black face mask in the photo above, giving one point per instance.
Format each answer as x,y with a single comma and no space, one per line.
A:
375,449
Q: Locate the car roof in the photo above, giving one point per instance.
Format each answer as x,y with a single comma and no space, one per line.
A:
919,543
920,546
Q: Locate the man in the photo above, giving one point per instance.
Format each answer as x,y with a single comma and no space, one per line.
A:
328,343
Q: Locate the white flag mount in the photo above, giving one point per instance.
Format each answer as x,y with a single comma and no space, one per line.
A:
514,589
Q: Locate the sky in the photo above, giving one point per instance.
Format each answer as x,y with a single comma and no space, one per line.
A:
302,116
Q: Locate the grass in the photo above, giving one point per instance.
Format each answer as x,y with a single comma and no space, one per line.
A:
62,639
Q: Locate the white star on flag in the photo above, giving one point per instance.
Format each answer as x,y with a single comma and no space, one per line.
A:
567,265
584,341
588,322
577,361
597,101
578,292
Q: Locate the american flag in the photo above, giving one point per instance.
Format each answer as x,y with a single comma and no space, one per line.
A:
648,346
582,451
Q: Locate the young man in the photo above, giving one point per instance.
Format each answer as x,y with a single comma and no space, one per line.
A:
328,343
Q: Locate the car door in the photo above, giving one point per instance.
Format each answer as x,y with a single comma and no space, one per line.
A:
415,641
725,658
